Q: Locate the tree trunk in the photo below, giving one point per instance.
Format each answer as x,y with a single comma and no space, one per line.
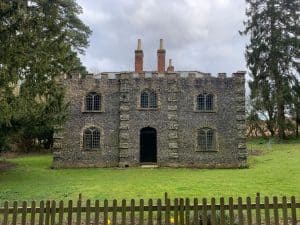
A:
297,122
281,121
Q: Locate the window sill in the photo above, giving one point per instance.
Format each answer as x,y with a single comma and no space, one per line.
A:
148,109
91,150
92,111
206,151
205,111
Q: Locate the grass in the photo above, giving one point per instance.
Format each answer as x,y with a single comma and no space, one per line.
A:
274,170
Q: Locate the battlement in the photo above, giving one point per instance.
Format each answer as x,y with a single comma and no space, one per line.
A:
190,75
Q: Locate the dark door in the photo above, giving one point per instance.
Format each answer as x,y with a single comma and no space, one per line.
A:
148,150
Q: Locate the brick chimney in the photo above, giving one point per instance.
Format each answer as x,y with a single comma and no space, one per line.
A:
161,57
139,56
170,67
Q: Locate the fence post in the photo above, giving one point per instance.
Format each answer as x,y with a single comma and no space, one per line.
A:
213,211
132,212
97,212
61,213
53,212
114,212
158,211
284,210
231,212
24,213
187,211
257,207
267,211
276,216
249,211
88,212
167,216
70,212
5,216
293,209
42,209
240,211
176,207
78,213
181,211
123,212
32,216
15,213
105,212
204,211
47,217
141,213
222,212
150,213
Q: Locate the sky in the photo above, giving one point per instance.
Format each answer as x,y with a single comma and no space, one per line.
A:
199,35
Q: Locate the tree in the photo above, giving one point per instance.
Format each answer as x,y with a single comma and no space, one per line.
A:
39,42
272,56
296,106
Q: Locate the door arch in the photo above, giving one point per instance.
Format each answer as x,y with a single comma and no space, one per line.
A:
148,145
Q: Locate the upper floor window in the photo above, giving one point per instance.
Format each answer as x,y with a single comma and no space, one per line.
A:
91,138
206,139
205,102
148,99
93,102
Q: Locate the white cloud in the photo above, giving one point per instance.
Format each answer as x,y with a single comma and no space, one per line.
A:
199,34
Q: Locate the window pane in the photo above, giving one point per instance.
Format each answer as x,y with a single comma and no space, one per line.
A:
201,102
96,139
152,100
202,139
144,100
210,139
97,102
209,102
87,139
89,102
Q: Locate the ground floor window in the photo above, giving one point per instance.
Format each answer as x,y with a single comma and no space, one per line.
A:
206,139
91,138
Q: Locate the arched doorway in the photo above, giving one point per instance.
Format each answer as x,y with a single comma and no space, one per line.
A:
148,143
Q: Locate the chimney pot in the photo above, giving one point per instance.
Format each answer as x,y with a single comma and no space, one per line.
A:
161,57
139,58
170,67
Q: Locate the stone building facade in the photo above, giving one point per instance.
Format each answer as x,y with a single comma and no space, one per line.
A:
167,118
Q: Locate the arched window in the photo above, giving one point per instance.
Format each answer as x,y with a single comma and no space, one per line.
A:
148,99
93,102
91,138
205,102
206,139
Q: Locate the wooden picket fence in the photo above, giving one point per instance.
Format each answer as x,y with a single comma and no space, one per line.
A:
179,211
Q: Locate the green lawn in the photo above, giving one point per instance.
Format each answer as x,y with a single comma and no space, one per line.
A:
276,171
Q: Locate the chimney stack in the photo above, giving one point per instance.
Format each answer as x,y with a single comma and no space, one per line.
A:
170,67
139,57
161,57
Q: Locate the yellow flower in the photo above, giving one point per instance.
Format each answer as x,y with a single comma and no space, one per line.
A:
171,220
108,221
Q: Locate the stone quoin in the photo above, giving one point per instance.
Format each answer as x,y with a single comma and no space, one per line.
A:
164,117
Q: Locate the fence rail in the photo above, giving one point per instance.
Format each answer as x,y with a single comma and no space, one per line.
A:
179,211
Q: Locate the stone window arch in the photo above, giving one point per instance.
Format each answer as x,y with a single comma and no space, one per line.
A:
93,101
206,139
91,138
205,102
148,99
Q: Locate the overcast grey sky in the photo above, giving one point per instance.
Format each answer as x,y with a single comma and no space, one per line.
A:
198,34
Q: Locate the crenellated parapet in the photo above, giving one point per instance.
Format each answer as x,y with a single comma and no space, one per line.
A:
111,78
